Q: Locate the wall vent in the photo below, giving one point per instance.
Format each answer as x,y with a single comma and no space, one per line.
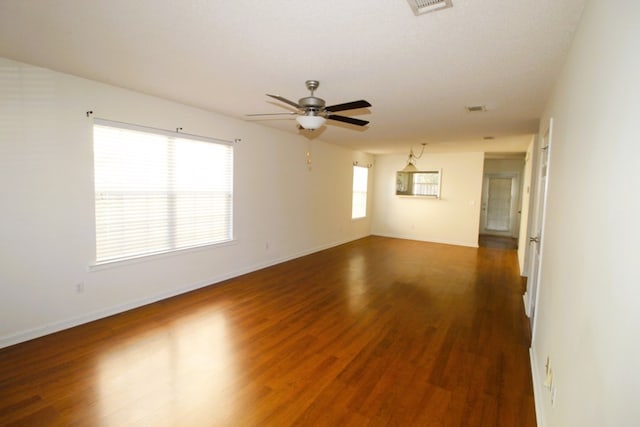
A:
421,7
475,108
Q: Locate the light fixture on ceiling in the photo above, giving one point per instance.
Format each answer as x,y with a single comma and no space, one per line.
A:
310,122
411,161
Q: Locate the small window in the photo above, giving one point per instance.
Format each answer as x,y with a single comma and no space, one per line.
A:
360,181
158,191
426,183
420,183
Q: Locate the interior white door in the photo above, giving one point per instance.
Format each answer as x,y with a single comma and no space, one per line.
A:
537,239
499,204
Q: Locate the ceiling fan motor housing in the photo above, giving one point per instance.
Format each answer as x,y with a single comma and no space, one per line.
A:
311,104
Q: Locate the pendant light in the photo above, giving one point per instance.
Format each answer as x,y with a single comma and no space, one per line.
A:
411,161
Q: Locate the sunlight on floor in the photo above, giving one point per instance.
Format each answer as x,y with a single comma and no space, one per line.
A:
160,377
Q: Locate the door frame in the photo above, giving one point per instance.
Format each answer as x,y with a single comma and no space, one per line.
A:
514,215
536,239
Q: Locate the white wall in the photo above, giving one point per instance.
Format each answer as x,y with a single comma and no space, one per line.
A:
504,166
46,186
588,319
454,219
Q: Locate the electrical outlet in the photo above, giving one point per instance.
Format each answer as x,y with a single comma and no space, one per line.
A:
79,287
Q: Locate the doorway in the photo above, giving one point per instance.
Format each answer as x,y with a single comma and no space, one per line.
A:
499,215
537,238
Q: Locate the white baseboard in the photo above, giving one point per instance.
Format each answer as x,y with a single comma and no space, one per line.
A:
538,391
51,328
99,314
525,297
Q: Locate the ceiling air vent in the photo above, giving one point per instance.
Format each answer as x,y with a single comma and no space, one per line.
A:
475,108
425,6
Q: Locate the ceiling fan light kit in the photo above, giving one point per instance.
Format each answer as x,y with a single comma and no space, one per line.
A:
311,122
312,112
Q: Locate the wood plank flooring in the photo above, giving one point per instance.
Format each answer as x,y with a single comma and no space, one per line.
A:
375,332
498,242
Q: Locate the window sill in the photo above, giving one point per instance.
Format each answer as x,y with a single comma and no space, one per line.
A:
105,265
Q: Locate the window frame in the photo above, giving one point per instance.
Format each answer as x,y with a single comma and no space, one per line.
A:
406,185
175,233
355,204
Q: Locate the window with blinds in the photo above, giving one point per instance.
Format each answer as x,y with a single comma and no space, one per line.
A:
426,183
158,191
359,201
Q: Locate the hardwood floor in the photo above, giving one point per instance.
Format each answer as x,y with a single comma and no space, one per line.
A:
375,332
497,242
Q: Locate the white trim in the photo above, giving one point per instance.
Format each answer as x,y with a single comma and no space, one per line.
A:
51,328
525,301
547,138
537,390
120,262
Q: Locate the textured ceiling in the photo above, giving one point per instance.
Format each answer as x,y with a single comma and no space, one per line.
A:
224,56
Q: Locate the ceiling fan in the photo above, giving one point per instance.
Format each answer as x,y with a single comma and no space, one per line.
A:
312,112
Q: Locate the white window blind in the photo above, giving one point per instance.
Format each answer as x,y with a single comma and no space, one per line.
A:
359,201
426,183
157,191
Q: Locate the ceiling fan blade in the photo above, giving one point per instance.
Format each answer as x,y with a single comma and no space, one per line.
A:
348,106
285,100
349,120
